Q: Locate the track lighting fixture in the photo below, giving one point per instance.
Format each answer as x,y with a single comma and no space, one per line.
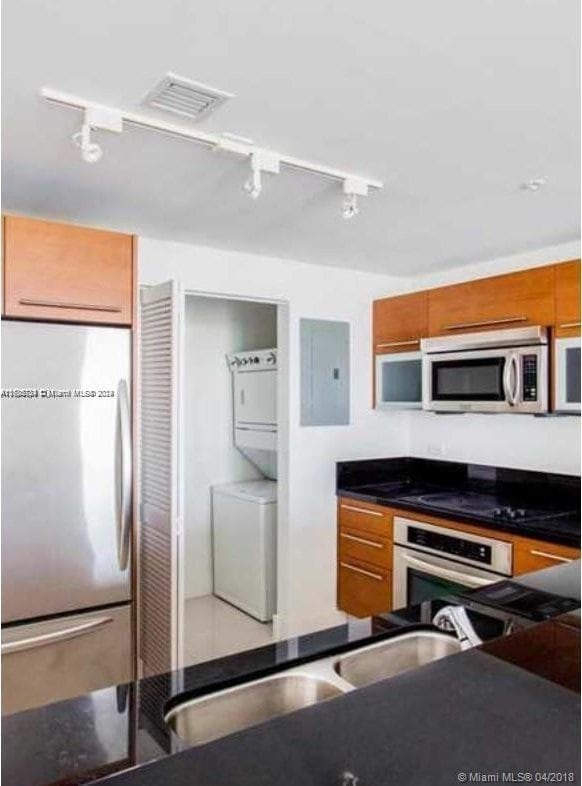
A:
96,117
91,152
350,206
352,189
254,185
261,161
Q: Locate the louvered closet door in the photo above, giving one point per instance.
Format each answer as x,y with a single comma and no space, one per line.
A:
161,565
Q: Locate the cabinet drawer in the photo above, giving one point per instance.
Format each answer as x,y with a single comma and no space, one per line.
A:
512,300
530,555
67,273
373,549
365,517
363,589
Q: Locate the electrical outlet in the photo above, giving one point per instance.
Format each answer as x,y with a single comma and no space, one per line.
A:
436,449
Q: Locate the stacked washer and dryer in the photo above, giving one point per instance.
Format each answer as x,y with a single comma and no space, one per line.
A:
244,515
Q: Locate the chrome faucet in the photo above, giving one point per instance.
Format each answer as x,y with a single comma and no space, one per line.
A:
455,618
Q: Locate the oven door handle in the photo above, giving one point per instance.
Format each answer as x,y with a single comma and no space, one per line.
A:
447,573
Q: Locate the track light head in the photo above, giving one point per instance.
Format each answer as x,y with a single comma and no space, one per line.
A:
261,161
352,189
91,152
350,206
254,185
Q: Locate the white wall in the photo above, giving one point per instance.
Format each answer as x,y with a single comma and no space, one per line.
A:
307,505
545,444
214,328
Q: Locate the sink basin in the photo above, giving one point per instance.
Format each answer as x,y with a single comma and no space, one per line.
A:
210,717
388,658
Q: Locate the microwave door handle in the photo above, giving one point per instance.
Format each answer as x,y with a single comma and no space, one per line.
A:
516,393
447,573
507,380
511,379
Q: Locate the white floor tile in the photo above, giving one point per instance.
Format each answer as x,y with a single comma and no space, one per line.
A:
214,628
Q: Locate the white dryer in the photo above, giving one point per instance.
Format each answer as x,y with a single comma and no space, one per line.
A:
254,374
244,528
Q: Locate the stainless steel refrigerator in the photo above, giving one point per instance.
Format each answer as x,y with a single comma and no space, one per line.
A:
66,510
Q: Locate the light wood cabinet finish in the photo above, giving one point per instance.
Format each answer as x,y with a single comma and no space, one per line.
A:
530,555
500,302
365,517
374,549
567,286
67,273
399,322
363,589
364,557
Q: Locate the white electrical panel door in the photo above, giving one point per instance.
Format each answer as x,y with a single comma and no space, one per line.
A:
161,484
255,398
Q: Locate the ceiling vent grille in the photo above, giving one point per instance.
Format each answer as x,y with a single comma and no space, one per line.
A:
182,96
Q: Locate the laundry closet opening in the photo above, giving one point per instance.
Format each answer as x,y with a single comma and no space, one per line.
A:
230,476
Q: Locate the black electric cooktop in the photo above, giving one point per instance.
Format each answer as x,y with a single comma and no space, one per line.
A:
487,506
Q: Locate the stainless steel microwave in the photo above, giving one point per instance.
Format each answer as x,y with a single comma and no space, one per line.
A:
494,371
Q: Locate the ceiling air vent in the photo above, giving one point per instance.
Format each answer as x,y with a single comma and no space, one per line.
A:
184,97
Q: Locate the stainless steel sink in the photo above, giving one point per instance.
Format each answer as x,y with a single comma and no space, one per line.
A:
388,658
210,717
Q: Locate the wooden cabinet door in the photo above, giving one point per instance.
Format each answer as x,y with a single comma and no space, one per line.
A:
530,555
399,322
363,589
67,273
568,299
510,301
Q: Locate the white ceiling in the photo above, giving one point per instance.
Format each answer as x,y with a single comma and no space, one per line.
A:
453,104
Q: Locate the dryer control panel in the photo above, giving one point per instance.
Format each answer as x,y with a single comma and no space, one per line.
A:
253,360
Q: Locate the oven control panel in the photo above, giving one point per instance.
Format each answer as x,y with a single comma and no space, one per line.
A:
447,544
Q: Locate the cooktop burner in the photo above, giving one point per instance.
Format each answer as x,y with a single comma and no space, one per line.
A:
486,506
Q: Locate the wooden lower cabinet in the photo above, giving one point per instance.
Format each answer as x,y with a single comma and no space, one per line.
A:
530,555
365,553
363,589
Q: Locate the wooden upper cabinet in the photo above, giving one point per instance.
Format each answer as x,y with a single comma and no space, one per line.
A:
399,322
496,303
67,273
568,298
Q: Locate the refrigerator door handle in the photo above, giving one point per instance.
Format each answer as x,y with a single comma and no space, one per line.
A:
54,637
125,476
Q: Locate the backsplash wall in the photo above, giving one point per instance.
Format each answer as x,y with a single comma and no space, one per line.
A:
539,443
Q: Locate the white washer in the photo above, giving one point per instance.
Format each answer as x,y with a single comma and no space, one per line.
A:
244,527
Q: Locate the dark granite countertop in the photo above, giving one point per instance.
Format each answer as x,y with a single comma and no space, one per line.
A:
389,731
408,483
467,713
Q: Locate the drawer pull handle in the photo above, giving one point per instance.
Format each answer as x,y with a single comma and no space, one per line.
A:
362,510
545,554
403,343
485,323
25,301
375,576
373,543
56,636
570,324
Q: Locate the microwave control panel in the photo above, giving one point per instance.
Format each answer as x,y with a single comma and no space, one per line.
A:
529,371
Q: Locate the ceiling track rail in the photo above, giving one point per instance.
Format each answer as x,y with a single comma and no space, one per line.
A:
100,117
